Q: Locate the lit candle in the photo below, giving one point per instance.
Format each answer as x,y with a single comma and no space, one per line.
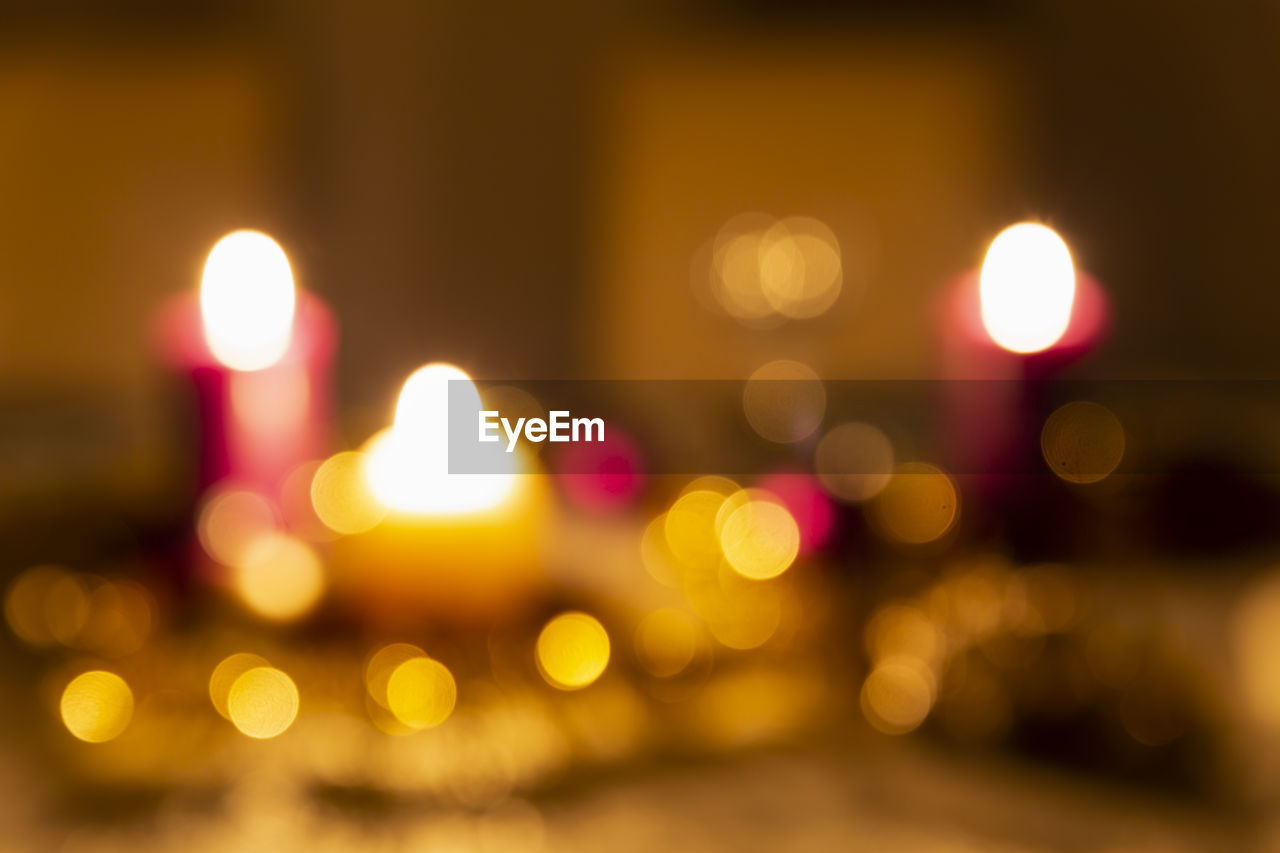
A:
258,354
1004,330
460,548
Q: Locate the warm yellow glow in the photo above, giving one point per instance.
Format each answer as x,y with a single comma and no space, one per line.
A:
1027,287
119,618
690,527
572,651
854,461
736,268
383,662
656,554
897,695
25,604
742,617
341,497
919,504
421,693
764,271
97,706
247,301
408,465
262,702
899,629
66,608
784,401
230,521
666,641
760,539
225,674
279,577
1082,442
800,268
1255,636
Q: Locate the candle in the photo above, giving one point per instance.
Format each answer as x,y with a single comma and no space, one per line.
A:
1005,330
457,548
258,356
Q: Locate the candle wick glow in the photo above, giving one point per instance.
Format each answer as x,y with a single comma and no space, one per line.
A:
1027,288
247,301
408,465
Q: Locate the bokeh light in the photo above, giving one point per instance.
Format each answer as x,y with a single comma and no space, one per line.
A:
810,506
919,505
231,520
1082,442
690,527
784,401
262,702
897,695
800,268
279,577
380,666
342,497
763,271
247,301
666,642
225,674
421,693
760,539
854,461
97,706
572,650
1027,288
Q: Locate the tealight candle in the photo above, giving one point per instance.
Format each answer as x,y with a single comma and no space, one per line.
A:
258,354
460,548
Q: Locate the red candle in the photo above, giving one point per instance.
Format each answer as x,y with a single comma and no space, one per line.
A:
258,354
1004,329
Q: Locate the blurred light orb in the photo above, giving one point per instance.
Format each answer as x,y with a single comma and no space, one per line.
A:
1027,287
341,496
66,608
800,267
279,577
666,641
25,604
382,663
421,693
262,702
760,539
231,520
408,466
854,462
690,527
809,505
919,505
601,477
572,651
743,618
1082,442
784,401
225,674
736,270
97,706
247,301
897,696
119,620
903,630
764,271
